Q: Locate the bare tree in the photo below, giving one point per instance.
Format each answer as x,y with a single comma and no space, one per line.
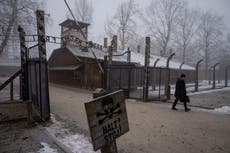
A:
13,13
185,31
83,11
209,36
123,23
161,18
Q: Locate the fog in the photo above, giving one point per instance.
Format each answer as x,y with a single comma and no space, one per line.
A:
105,9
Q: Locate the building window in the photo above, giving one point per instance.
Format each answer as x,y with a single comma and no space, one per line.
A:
77,75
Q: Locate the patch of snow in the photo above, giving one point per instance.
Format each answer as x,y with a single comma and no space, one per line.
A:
75,142
47,149
224,109
203,87
210,91
140,58
78,143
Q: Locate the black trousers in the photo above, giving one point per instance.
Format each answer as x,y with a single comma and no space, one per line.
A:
175,102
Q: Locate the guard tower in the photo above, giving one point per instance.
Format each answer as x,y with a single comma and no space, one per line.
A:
71,34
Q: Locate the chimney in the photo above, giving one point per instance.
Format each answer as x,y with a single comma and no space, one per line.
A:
105,42
114,43
138,48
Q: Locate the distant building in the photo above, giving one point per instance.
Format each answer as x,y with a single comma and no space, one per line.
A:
73,63
70,31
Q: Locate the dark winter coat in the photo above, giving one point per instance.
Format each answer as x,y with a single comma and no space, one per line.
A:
180,91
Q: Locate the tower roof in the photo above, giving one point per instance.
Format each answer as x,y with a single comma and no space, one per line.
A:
71,24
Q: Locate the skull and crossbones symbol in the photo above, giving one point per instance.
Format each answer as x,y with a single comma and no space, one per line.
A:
109,110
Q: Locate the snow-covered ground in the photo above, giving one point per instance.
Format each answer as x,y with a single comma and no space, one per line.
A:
204,87
210,91
224,109
77,143
47,148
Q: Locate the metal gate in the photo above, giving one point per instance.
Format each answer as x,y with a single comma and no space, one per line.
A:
34,78
38,87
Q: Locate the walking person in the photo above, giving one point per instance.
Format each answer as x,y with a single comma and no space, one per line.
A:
180,93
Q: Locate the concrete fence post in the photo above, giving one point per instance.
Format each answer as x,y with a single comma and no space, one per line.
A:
226,75
167,84
214,76
209,75
197,75
154,66
180,68
146,69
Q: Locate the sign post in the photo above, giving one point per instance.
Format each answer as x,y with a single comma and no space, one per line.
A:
107,120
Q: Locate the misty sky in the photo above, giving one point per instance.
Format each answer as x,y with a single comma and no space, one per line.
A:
104,9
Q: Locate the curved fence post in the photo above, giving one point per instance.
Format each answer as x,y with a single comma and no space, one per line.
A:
197,75
167,87
180,67
154,66
226,75
155,63
214,76
209,75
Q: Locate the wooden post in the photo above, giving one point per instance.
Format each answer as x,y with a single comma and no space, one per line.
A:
159,91
214,78
11,90
226,75
129,73
109,147
41,34
128,55
24,91
44,91
147,58
197,75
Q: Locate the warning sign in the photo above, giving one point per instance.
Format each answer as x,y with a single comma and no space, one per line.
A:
107,118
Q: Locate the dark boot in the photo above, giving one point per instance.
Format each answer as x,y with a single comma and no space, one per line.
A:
185,107
188,109
174,104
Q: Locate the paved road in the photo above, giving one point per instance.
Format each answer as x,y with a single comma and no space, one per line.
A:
154,128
